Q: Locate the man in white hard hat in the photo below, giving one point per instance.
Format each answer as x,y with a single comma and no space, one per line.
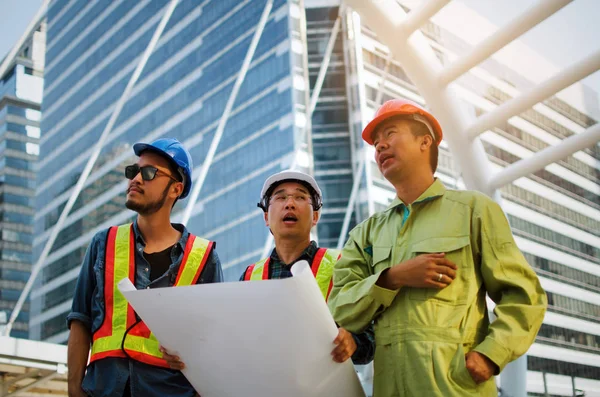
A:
291,201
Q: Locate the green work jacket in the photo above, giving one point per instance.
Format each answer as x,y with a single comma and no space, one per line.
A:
422,335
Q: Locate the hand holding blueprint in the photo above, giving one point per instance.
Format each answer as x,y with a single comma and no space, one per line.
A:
267,338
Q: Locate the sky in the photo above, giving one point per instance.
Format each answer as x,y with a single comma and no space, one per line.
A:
566,37
15,15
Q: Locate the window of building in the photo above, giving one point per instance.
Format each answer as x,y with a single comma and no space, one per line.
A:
562,368
573,307
572,246
60,294
563,273
548,207
569,338
503,157
54,325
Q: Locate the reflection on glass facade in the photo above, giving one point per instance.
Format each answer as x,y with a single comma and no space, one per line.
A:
93,49
20,100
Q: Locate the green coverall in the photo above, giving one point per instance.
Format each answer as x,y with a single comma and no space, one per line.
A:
422,335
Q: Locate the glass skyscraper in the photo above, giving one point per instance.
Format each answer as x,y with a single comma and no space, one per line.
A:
93,47
21,88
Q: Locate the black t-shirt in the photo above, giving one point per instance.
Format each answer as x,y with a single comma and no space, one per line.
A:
159,262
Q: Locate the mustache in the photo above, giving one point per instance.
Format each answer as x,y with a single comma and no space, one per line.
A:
136,187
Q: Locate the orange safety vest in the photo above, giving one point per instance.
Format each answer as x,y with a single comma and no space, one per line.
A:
120,334
322,268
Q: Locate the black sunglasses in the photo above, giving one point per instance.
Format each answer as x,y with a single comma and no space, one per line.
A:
148,172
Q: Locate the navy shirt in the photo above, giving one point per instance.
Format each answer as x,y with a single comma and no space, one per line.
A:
109,376
365,341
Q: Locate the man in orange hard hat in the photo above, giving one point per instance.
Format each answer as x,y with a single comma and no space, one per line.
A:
422,268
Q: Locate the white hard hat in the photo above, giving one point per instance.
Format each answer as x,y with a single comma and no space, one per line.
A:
290,175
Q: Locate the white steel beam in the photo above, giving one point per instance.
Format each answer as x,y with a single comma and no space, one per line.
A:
225,117
325,64
419,15
546,156
304,132
383,77
519,104
421,64
91,161
489,46
351,202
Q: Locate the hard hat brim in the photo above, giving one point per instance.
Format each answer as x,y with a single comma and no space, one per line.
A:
367,134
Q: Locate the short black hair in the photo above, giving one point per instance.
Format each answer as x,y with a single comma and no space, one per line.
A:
314,196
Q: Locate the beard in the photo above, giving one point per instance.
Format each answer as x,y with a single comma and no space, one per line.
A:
149,208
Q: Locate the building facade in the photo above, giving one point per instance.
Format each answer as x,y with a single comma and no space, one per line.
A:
21,88
93,48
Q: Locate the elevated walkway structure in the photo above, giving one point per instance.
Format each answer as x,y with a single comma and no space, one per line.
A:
32,368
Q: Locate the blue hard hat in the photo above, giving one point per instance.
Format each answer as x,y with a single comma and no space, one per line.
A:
172,150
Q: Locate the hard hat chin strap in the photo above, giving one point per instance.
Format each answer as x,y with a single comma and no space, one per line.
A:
423,120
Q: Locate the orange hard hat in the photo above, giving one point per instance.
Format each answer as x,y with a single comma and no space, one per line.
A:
399,107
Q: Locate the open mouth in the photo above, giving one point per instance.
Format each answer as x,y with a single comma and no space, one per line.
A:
290,219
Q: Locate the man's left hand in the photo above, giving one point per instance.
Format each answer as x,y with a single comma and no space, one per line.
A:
479,366
345,346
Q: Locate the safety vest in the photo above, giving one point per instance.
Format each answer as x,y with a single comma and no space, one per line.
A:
322,269
121,335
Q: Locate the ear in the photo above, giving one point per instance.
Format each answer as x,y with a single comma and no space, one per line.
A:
316,216
176,189
426,142
266,216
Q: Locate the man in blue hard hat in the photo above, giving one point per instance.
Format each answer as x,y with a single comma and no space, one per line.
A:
125,356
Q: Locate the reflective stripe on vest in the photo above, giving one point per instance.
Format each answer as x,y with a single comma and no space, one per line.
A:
322,268
120,335
258,271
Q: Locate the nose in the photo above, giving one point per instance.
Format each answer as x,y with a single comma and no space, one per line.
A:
137,179
381,145
289,202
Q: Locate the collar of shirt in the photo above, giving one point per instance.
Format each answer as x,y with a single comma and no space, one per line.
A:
308,254
436,189
142,272
140,242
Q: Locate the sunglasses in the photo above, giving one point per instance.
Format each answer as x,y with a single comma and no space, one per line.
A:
148,172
